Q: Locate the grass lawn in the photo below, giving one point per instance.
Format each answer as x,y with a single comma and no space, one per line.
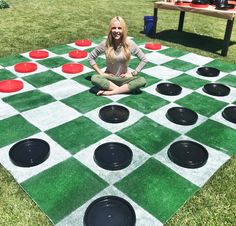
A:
35,24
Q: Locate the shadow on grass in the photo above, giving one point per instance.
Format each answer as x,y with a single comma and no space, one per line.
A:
188,39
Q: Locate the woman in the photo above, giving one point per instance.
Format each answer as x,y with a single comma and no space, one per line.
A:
118,49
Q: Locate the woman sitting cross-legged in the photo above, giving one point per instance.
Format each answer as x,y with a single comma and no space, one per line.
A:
118,50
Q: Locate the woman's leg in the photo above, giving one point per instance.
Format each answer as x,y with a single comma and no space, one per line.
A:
136,83
104,84
117,85
127,85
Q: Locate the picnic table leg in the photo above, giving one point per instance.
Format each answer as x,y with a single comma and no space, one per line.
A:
154,23
228,32
181,20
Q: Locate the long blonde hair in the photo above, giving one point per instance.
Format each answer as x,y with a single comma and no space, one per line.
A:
124,41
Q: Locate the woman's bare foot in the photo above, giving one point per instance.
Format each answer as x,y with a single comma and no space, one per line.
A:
104,93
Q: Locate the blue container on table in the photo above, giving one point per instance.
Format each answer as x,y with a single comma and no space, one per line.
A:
148,24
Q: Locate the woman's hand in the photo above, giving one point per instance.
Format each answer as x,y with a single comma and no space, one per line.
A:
127,75
105,74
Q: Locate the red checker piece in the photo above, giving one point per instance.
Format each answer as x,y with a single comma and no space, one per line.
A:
153,46
83,42
78,54
38,54
25,67
72,68
182,3
199,5
9,86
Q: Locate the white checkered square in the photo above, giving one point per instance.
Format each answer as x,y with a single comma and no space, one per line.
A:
57,154
142,216
86,156
64,89
50,115
40,68
152,89
159,116
134,116
162,72
198,176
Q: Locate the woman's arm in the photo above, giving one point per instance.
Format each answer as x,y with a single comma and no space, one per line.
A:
135,50
100,49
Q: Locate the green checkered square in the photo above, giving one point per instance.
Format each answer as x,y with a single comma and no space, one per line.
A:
172,52
148,135
228,80
44,78
139,41
202,104
90,49
157,189
101,62
15,128
179,65
28,100
54,62
216,135
77,134
133,63
189,81
149,79
62,49
63,188
144,102
5,74
98,40
85,101
222,65
85,79
11,60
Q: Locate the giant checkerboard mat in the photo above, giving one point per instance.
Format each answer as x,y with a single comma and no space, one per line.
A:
61,109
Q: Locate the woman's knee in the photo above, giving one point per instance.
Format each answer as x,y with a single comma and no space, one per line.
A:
95,79
100,81
137,83
142,81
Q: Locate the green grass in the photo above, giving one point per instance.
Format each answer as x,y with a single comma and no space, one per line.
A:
35,24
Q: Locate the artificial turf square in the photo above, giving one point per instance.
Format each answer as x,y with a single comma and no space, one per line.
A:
77,134
11,60
44,78
98,40
28,100
133,63
85,79
139,41
157,189
148,135
15,128
5,75
179,65
54,62
202,104
89,49
228,80
216,135
85,101
172,52
222,65
101,62
63,188
149,79
144,102
189,81
61,49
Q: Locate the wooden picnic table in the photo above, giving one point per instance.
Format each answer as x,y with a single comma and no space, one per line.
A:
229,15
